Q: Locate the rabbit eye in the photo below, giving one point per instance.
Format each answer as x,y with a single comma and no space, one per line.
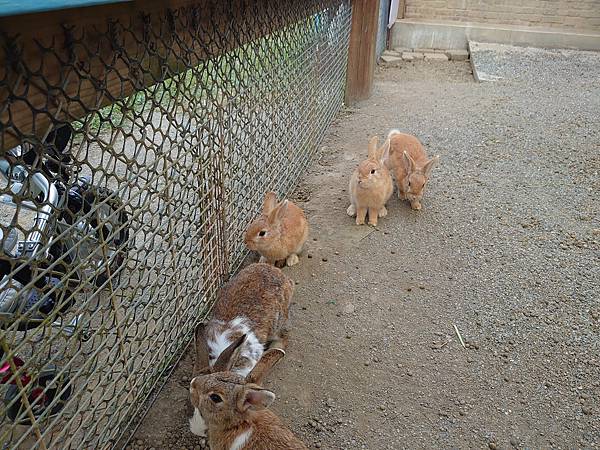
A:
372,171
262,233
215,398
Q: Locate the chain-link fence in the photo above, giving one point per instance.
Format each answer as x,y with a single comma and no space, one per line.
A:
134,154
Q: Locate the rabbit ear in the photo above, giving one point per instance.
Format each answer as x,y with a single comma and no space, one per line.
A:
228,356
430,165
383,152
269,202
373,147
409,163
255,398
264,365
278,212
201,360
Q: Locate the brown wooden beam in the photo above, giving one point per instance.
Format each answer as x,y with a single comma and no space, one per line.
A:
361,53
61,65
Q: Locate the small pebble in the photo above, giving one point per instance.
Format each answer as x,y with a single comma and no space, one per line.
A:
492,446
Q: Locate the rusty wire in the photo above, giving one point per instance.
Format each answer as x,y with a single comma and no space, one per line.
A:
104,278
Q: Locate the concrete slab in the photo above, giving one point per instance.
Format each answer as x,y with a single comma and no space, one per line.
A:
455,35
458,54
509,63
390,59
391,53
435,57
478,64
412,55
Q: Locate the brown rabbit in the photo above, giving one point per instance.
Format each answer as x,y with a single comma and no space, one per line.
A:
279,233
371,185
409,163
253,304
232,409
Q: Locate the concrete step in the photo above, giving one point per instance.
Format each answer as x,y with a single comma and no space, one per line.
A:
415,34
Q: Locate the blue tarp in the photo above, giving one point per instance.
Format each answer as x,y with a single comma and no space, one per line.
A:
15,7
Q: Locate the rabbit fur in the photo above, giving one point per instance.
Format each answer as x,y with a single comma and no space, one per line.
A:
371,185
255,304
410,165
232,408
279,233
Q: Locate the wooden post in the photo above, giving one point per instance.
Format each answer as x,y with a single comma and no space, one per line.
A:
361,52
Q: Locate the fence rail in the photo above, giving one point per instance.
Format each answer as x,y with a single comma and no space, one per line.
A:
136,146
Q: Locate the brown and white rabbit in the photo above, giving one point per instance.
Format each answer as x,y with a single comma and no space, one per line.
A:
254,304
410,165
371,185
279,233
232,408
249,316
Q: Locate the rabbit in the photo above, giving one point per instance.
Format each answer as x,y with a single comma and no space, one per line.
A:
254,304
232,409
371,185
279,233
409,163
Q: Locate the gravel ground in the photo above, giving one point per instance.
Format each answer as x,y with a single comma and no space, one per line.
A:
506,249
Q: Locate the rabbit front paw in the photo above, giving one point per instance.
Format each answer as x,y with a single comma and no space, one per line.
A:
292,260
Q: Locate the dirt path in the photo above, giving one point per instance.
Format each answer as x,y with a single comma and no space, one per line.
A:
506,248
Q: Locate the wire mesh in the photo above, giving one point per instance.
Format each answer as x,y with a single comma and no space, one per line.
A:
119,223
